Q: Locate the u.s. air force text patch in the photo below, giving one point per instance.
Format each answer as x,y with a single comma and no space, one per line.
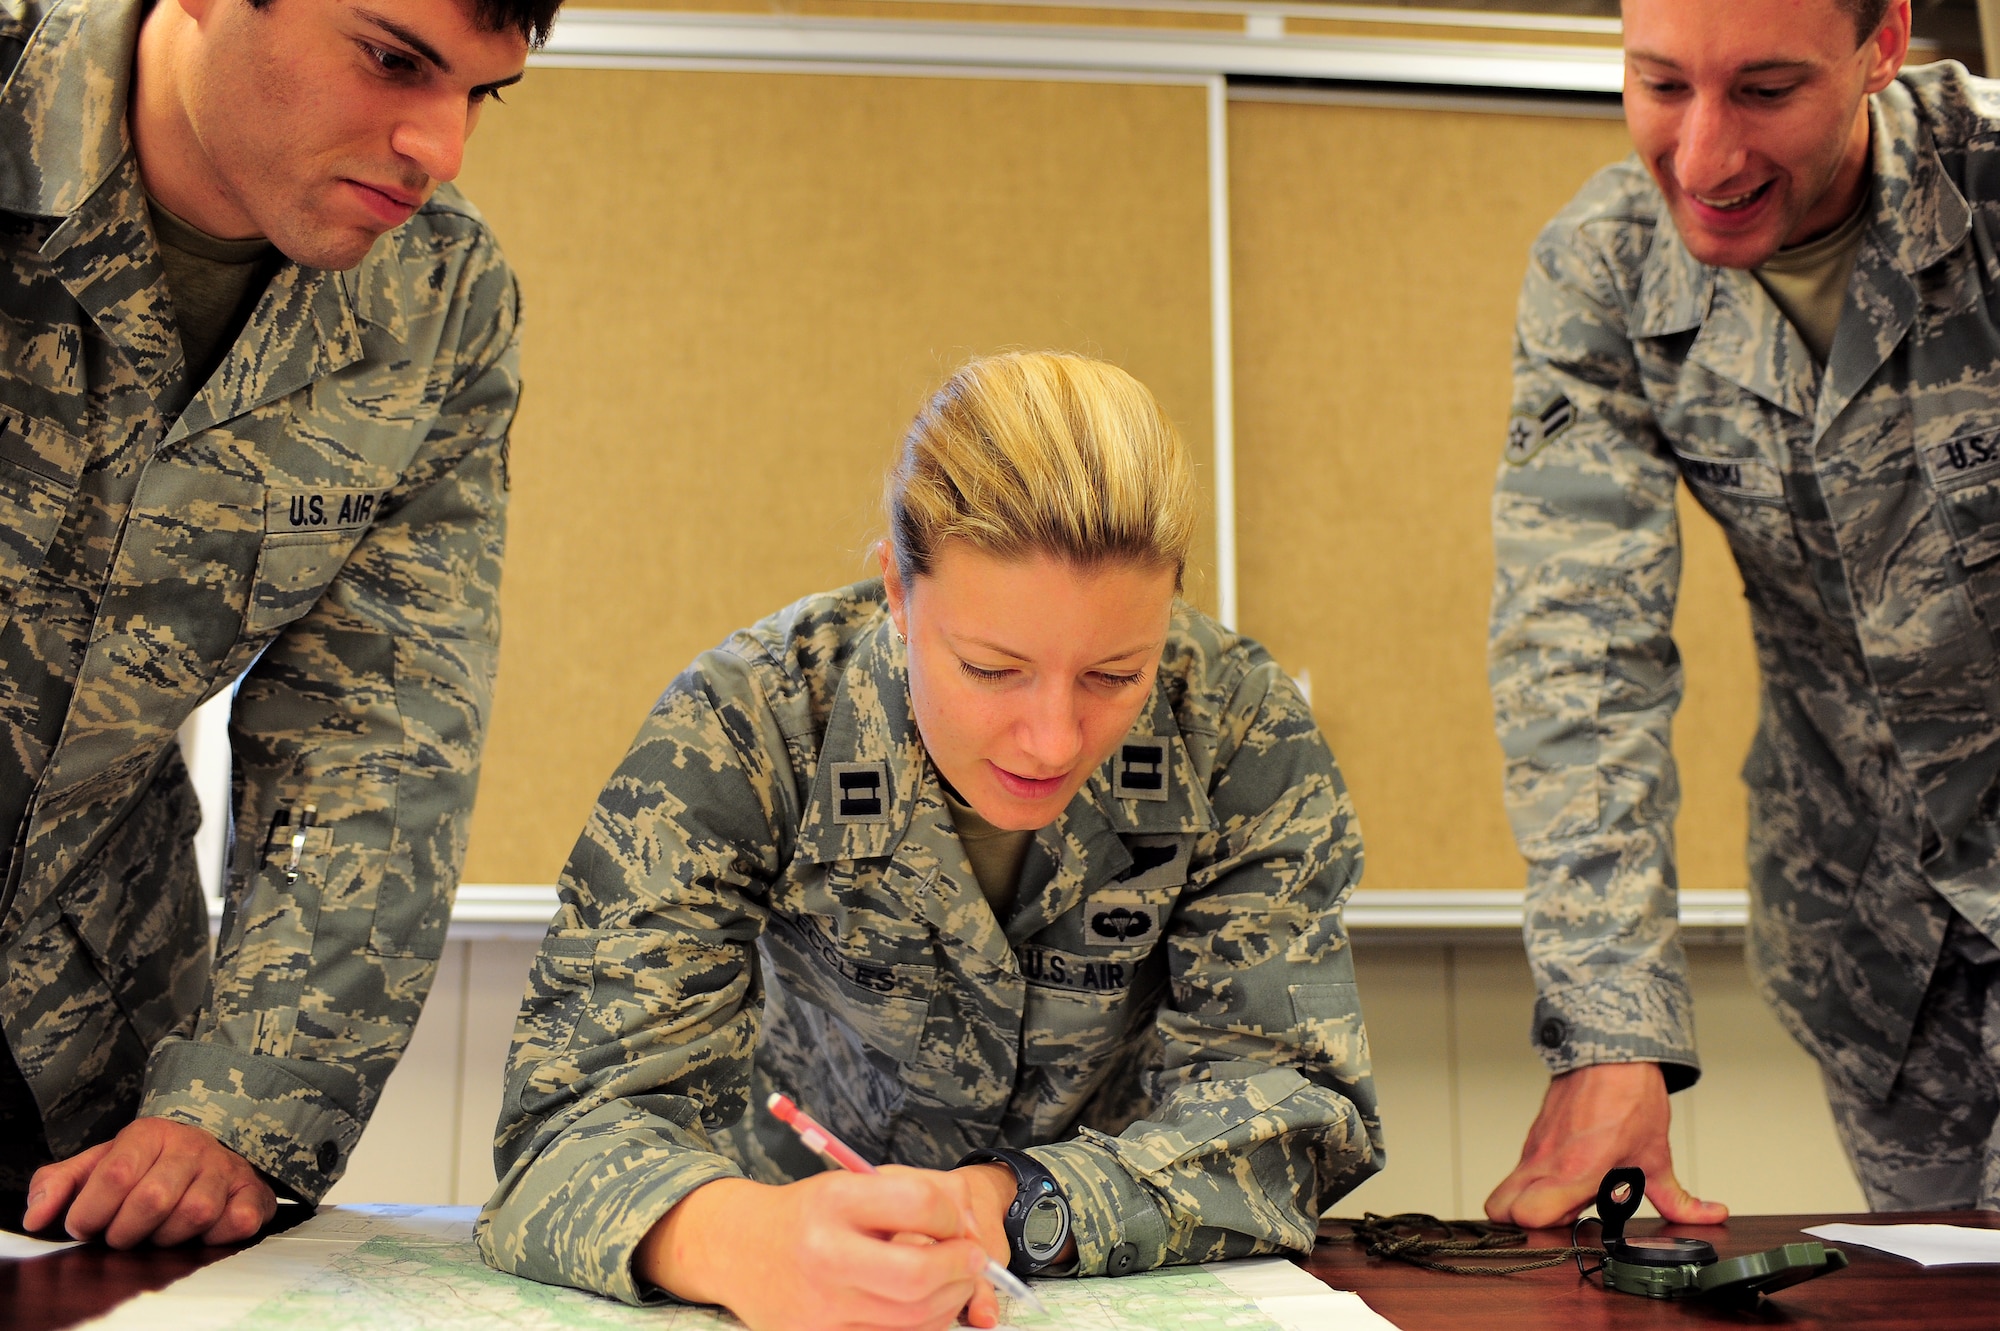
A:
1047,968
320,510
1964,456
1529,430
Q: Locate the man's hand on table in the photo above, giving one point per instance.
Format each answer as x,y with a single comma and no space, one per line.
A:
1593,1120
157,1180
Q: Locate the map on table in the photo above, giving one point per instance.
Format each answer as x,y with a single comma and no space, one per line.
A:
360,1268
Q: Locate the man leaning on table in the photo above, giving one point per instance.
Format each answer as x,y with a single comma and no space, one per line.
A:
259,367
1787,300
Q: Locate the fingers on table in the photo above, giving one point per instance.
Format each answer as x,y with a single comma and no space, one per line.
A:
54,1186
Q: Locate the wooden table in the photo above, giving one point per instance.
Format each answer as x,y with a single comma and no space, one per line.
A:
77,1284
1876,1291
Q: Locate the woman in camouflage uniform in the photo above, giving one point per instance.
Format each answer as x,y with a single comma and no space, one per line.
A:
1012,867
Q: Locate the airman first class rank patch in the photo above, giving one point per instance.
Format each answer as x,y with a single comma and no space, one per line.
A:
861,792
1528,431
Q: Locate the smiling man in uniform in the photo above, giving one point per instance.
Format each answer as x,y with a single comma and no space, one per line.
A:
259,366
1787,301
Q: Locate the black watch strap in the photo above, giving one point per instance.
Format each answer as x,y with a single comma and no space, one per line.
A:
1036,1191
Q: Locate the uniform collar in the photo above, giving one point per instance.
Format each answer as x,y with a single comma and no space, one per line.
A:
874,774
1919,214
63,109
1674,287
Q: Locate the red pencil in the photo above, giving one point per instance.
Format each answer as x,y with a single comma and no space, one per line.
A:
816,1138
842,1156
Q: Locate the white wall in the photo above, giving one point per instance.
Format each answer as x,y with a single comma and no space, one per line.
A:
432,1136
1460,1084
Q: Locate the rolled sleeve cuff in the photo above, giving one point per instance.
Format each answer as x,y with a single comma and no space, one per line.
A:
1616,1022
254,1105
1118,1228
585,1230
631,1205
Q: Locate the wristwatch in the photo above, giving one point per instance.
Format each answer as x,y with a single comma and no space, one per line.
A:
1038,1222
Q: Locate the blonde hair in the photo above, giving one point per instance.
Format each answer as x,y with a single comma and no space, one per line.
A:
1042,453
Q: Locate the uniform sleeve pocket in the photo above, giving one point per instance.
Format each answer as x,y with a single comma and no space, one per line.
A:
1329,1019
410,916
559,989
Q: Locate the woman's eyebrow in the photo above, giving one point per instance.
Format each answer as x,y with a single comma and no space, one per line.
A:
1009,652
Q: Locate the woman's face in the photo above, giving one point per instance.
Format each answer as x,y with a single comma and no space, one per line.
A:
1024,673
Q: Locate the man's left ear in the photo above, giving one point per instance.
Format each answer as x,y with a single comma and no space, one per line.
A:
1891,46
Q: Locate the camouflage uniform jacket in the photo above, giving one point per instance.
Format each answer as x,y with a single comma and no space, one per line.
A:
1862,502
325,513
772,878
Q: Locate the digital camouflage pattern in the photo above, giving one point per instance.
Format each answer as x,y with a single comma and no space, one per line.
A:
771,895
326,512
1931,1147
1863,506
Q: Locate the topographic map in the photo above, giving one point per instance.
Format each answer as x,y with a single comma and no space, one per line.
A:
351,1268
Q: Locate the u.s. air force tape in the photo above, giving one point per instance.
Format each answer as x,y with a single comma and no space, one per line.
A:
1139,768
319,510
1529,430
861,792
1963,456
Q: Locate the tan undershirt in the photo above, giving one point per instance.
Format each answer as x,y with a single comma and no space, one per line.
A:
995,852
1809,282
215,284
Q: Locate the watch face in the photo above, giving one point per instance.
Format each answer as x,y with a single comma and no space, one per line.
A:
1044,1228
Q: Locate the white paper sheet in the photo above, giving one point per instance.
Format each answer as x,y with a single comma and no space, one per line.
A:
1297,1301
1931,1245
15,1247
361,1268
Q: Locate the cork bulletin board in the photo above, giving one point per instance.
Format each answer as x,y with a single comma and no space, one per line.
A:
1377,253
738,289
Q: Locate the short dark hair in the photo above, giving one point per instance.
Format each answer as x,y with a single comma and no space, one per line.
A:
531,18
1867,16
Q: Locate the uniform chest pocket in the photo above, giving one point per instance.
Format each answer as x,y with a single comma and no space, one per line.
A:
1966,474
883,994
1746,497
291,573
1081,1006
308,534
38,477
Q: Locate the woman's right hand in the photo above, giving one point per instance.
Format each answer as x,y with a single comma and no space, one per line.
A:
835,1252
